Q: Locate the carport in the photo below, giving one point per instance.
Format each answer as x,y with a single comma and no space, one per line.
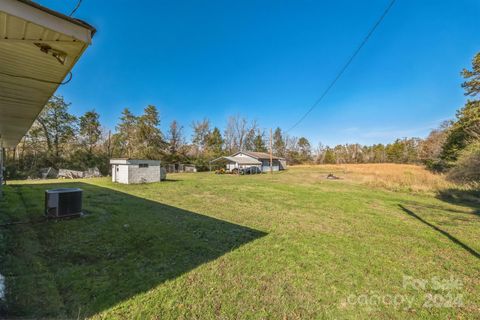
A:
237,162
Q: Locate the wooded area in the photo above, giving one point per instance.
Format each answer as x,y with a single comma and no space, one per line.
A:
61,140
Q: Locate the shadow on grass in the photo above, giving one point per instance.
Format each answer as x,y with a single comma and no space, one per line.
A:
124,246
467,210
446,234
470,198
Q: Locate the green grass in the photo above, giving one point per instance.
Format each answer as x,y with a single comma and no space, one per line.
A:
204,246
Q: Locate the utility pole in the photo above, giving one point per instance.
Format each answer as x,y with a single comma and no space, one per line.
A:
109,143
271,156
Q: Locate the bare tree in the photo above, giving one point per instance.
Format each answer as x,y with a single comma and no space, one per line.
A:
175,138
237,133
201,131
319,153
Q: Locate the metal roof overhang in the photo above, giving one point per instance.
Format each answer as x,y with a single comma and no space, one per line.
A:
38,48
239,160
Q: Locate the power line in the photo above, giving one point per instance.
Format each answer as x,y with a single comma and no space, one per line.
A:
70,76
346,65
79,3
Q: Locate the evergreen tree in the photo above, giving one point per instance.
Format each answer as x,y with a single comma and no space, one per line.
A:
259,142
378,153
463,131
125,139
249,141
329,156
150,143
466,129
90,130
305,149
472,77
278,143
215,143
56,127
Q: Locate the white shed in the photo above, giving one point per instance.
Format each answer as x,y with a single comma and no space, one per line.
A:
136,171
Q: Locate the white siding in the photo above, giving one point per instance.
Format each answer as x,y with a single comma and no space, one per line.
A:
267,168
266,165
231,166
136,174
136,171
124,173
121,173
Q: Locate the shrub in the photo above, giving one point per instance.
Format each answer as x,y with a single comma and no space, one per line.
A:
437,165
467,167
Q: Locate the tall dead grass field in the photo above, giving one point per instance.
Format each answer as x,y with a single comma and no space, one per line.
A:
396,177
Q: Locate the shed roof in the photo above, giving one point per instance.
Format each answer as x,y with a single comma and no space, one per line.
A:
135,162
38,49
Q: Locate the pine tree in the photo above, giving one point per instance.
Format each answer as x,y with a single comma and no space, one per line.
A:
150,143
125,138
90,130
466,129
57,127
215,143
259,142
278,143
305,149
329,156
472,77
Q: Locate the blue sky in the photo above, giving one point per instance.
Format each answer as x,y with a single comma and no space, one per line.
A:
270,60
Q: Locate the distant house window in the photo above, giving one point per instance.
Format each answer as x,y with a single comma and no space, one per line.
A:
143,165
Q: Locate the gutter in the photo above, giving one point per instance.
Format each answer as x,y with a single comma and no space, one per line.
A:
76,21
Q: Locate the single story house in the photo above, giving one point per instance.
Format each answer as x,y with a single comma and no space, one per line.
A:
137,171
246,159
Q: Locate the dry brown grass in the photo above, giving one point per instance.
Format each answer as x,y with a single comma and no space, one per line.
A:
390,176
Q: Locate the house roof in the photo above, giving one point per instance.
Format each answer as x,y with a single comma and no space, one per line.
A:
258,155
239,160
38,49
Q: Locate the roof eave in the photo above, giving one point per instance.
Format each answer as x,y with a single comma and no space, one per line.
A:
47,18
60,15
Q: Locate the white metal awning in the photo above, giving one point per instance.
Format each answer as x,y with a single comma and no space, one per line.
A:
38,49
238,160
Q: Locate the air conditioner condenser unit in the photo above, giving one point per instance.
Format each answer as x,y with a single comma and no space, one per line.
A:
64,202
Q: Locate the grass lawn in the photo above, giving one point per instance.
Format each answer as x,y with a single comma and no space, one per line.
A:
383,242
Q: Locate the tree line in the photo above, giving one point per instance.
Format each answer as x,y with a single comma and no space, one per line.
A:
61,140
